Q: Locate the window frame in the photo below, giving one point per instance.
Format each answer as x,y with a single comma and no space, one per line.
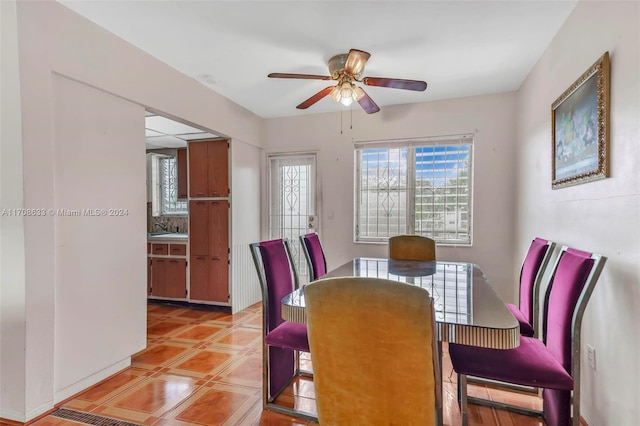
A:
410,188
158,201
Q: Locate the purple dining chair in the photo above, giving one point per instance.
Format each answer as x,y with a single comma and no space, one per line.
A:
533,267
552,363
282,340
314,254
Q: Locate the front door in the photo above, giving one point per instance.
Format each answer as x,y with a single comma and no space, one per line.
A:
292,202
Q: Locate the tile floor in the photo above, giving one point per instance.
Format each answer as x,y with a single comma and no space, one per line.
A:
203,367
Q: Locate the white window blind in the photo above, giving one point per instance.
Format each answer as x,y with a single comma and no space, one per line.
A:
165,182
418,187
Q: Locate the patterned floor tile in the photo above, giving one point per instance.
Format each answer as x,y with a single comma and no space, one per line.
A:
106,390
153,397
204,363
259,417
204,367
246,371
215,404
161,355
254,321
239,338
199,333
167,327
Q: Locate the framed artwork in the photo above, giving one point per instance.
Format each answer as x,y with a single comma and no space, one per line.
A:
580,128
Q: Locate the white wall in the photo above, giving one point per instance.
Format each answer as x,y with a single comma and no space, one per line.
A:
602,216
245,222
490,118
12,268
55,41
99,163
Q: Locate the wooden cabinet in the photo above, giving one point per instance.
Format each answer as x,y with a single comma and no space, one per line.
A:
209,250
148,275
198,170
209,221
178,249
209,278
181,163
209,169
160,249
199,227
176,278
159,281
167,271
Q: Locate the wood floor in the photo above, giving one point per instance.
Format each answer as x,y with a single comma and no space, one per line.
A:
203,367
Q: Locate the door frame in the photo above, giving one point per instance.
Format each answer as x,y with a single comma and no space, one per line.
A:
267,191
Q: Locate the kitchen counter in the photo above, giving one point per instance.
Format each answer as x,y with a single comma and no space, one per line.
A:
170,236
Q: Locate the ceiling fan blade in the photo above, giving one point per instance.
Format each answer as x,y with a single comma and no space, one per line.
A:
367,103
315,98
302,76
395,83
355,62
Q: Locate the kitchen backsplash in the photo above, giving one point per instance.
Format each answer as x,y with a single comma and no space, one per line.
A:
181,223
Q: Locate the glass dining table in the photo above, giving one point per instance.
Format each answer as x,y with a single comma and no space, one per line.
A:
467,309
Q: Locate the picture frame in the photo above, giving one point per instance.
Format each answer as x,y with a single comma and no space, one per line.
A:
580,129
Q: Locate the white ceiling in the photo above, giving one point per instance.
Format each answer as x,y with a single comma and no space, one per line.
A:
461,48
161,132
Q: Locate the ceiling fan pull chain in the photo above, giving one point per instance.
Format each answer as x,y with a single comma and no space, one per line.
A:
341,110
351,111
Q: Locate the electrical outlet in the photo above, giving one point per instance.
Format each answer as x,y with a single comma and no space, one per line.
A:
591,356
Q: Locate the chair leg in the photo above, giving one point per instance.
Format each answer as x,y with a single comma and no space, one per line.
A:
280,368
462,395
298,369
504,385
556,406
265,375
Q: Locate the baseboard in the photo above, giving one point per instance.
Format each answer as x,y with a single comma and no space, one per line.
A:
69,391
583,422
11,418
5,422
14,418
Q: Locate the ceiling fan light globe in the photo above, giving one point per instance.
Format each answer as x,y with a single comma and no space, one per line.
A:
346,93
335,93
346,101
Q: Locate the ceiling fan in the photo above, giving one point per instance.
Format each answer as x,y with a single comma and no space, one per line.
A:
346,69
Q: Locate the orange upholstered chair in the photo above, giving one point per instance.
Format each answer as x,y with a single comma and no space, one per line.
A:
412,247
374,353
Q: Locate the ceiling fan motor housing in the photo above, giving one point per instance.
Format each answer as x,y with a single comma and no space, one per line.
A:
336,65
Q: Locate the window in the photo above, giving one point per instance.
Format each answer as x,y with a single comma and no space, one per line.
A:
418,187
165,184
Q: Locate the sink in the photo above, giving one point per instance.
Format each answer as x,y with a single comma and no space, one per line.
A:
170,235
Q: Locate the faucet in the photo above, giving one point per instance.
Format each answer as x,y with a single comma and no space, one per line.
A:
162,226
